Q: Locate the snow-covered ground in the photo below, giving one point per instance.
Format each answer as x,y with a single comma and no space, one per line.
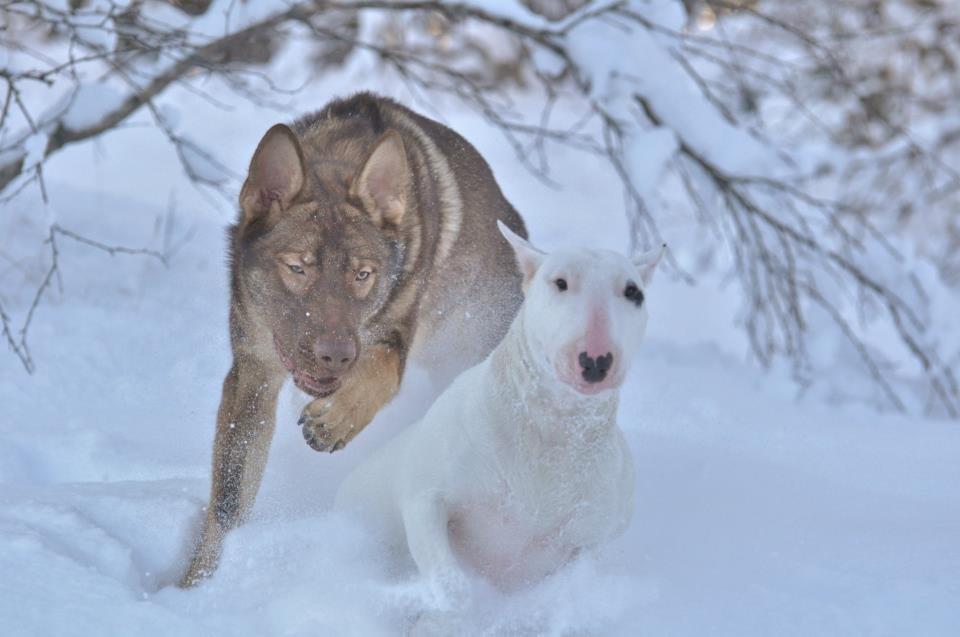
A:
756,514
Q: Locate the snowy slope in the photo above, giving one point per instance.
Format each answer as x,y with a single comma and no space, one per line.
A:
756,514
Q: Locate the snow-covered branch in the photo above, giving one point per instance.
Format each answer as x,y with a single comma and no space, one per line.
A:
659,101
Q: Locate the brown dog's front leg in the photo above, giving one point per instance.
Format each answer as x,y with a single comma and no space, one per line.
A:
330,423
245,424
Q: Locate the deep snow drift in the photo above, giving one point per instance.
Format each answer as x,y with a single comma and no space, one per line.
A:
755,514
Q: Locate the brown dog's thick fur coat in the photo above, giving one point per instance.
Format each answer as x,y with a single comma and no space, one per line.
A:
367,236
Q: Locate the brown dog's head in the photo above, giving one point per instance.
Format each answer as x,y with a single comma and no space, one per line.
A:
320,250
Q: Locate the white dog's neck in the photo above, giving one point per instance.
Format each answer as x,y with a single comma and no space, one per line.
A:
532,401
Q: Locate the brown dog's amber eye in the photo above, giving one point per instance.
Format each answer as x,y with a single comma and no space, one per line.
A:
561,284
295,268
633,294
362,275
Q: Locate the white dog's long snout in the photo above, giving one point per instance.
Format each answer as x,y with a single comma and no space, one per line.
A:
592,362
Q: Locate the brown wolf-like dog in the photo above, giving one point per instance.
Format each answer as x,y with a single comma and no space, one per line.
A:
367,235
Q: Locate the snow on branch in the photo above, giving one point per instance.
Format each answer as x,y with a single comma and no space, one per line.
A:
90,110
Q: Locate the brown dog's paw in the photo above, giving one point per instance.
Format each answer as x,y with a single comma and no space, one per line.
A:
327,426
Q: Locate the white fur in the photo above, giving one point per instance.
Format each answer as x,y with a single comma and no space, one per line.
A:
518,465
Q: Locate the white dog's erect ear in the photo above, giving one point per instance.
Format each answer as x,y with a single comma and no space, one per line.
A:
528,257
646,263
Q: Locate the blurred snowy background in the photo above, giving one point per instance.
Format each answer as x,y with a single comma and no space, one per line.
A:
794,412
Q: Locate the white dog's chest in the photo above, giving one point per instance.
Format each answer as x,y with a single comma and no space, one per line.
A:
505,546
521,533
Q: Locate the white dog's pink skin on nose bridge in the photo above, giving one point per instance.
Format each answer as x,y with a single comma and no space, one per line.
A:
596,340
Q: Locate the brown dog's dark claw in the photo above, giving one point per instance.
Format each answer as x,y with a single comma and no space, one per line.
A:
312,440
338,446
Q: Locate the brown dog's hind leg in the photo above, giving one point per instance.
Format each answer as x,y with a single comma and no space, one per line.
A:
245,424
330,423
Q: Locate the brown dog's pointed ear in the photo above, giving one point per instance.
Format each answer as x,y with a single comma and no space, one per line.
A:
528,257
276,173
383,182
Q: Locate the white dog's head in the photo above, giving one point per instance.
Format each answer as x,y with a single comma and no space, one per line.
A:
584,311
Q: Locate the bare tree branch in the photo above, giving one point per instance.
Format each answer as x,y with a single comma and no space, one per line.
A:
17,337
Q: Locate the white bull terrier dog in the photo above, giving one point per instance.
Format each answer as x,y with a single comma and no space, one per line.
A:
519,464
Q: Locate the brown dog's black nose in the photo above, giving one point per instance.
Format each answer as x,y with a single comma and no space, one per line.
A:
595,370
335,354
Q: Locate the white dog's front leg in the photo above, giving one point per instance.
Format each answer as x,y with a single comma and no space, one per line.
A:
426,520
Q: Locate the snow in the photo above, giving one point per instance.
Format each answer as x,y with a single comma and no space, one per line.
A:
648,153
201,164
89,103
600,46
91,25
222,17
36,147
95,29
757,512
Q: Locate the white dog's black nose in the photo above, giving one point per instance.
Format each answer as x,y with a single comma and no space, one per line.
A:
593,369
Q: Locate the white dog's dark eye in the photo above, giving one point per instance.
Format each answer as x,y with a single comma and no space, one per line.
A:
561,284
295,268
633,294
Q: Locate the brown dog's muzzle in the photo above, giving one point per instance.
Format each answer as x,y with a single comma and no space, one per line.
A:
335,354
319,379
